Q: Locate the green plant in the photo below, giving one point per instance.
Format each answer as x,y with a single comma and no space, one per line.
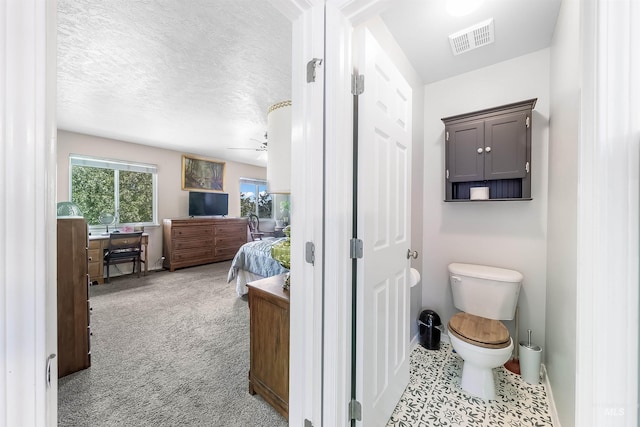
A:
285,205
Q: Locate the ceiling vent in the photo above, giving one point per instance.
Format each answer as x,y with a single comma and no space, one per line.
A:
473,37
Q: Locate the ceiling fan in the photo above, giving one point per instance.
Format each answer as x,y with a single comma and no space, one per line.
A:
261,147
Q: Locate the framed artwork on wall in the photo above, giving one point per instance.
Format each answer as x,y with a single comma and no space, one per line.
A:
200,174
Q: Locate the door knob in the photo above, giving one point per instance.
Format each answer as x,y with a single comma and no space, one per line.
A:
487,149
412,254
480,150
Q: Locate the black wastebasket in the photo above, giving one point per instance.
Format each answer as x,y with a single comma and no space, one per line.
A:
429,326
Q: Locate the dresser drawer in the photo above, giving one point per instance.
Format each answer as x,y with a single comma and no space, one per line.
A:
94,270
197,232
237,229
94,244
191,255
182,244
223,254
229,241
95,255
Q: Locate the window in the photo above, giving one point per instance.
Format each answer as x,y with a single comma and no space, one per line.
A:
125,189
255,199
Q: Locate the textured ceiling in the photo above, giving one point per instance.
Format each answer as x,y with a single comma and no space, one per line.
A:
194,76
198,76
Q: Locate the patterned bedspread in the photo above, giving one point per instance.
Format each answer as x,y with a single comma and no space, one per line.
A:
255,257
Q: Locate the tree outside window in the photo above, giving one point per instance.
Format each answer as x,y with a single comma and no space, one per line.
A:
121,188
255,199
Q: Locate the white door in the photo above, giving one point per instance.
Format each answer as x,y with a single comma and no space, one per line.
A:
383,221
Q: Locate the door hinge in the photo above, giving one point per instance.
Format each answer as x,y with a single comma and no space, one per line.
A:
356,250
446,136
311,69
528,122
310,253
355,410
447,173
357,84
307,423
526,167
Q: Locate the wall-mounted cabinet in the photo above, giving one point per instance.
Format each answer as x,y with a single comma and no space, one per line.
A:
489,148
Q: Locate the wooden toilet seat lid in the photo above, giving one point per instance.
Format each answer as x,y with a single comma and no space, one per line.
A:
479,331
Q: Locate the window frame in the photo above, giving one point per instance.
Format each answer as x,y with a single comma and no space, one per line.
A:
257,182
117,166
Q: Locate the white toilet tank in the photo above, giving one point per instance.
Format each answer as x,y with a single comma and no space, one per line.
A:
484,291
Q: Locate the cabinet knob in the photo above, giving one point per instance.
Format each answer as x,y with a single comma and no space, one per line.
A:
487,149
480,150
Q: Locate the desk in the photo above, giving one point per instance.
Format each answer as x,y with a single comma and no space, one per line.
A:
97,245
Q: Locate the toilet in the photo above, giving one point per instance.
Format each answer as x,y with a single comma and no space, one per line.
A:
485,295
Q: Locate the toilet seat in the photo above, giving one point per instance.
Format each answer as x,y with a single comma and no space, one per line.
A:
479,331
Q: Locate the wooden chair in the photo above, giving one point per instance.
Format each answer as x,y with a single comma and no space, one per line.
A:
253,222
124,247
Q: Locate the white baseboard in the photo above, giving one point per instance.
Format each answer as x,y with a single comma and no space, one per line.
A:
414,342
552,404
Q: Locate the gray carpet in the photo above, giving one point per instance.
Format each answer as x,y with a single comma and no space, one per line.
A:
168,349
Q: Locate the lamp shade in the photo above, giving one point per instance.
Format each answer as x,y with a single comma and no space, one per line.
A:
279,136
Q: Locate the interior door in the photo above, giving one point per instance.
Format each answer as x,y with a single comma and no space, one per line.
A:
383,225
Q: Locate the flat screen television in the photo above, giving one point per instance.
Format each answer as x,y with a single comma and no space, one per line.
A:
208,204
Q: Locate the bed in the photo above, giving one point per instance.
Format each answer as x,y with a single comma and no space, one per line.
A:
253,262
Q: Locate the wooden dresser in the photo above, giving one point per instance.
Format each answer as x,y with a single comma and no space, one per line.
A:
269,369
74,352
195,241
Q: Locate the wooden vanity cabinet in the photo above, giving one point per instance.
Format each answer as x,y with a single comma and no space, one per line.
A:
489,148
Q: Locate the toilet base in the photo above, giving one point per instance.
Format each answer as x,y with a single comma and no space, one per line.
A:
478,381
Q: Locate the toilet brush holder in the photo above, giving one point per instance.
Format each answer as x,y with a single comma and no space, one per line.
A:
530,358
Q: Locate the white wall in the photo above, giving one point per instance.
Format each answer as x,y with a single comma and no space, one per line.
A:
173,202
509,234
562,220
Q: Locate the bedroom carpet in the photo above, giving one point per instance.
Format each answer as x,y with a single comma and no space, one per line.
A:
168,349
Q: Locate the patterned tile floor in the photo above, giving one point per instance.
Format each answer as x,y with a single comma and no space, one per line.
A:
434,397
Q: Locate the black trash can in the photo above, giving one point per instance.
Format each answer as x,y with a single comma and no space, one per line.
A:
429,326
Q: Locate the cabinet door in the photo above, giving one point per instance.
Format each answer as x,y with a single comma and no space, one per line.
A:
505,154
464,153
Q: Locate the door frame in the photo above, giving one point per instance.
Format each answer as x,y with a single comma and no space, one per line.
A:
27,217
28,133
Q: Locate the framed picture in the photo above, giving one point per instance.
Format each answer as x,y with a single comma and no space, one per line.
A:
202,174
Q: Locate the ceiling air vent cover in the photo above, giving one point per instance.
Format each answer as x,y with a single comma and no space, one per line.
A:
473,37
